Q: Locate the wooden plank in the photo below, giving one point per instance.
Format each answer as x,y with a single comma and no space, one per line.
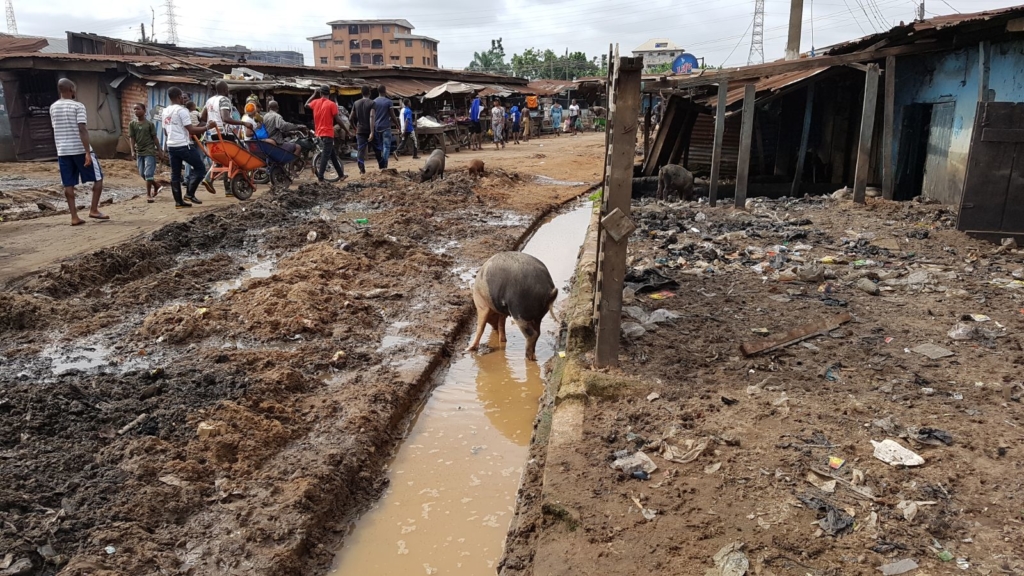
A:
984,68
888,163
1002,135
647,130
784,66
759,139
867,125
716,151
746,131
618,196
795,335
989,169
664,134
805,134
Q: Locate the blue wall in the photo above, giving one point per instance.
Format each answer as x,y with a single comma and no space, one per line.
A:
954,77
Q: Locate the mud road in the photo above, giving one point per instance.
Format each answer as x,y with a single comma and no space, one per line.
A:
220,394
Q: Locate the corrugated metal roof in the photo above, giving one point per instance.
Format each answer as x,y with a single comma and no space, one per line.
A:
546,87
771,84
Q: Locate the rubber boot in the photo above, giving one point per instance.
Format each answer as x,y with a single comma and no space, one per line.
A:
176,192
190,192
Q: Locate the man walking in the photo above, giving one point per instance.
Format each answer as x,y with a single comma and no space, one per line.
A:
218,109
517,126
325,114
360,118
382,117
574,116
75,157
179,129
475,130
408,129
498,124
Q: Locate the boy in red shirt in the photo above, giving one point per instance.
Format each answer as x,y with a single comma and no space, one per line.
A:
325,115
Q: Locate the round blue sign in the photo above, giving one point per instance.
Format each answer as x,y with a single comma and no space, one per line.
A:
685,63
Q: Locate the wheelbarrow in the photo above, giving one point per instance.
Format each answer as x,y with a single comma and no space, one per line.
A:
277,159
236,163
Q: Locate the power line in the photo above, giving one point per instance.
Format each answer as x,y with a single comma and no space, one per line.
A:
172,22
740,41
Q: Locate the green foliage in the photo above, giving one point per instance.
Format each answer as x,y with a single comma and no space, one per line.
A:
492,60
533,63
660,68
597,195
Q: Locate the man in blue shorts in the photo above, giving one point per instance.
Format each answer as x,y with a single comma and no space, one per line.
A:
75,157
475,130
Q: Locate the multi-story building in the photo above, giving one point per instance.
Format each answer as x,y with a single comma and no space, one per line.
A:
657,51
373,43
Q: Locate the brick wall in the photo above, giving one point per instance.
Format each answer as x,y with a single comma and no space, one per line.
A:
133,91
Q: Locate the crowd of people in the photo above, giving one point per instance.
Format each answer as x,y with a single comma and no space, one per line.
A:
183,125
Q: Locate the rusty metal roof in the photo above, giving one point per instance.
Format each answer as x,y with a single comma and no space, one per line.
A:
771,85
545,87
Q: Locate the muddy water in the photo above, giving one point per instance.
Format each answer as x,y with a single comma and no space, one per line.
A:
454,480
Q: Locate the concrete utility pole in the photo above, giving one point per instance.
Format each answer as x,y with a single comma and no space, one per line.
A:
796,20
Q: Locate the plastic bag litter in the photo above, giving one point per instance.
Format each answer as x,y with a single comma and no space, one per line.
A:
632,330
730,561
835,520
892,453
634,462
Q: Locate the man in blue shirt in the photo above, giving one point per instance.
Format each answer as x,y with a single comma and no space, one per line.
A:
381,118
408,129
475,131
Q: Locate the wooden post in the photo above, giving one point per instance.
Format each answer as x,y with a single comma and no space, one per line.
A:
984,67
623,110
796,18
805,134
716,151
759,139
867,125
746,129
888,176
647,129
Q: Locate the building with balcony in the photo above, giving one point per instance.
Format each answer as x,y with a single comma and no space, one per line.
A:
373,43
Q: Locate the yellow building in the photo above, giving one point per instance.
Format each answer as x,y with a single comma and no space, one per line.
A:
373,43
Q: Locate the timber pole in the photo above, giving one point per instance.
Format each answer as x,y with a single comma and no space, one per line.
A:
716,151
805,133
867,124
888,176
746,131
615,225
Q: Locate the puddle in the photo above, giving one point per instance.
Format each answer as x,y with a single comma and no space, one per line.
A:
263,269
546,181
453,482
90,357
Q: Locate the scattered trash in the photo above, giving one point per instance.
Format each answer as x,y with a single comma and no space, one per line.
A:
206,430
663,295
362,221
637,461
826,486
976,317
110,549
835,462
963,564
795,335
760,331
932,351
934,437
649,281
892,453
685,453
730,561
23,566
729,401
128,427
945,556
901,567
648,513
834,521
909,509
712,468
653,396
632,330
311,237
831,373
867,286
641,475
972,331
811,273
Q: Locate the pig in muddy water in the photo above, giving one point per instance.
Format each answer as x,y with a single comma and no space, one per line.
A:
517,285
673,178
434,166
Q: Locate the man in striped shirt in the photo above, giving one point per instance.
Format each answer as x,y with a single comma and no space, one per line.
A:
77,161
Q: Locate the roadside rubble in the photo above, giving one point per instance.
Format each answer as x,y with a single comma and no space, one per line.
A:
863,363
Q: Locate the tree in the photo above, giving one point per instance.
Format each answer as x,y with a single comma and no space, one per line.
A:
534,64
660,68
492,60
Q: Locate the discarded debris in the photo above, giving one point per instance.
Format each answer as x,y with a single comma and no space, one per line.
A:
934,437
730,561
795,335
653,396
867,286
634,462
127,427
826,486
689,451
835,463
835,520
901,567
712,468
932,351
892,453
206,430
647,513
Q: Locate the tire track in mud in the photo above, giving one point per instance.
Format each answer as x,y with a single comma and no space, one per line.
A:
290,369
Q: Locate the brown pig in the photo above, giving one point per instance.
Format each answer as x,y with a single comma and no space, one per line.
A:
517,285
476,167
433,166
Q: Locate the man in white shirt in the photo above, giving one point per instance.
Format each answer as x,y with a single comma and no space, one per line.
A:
218,109
75,157
574,116
179,129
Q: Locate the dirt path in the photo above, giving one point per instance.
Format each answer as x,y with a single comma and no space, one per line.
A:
774,450
27,245
219,395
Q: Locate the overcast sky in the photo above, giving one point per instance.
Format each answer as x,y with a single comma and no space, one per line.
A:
718,30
